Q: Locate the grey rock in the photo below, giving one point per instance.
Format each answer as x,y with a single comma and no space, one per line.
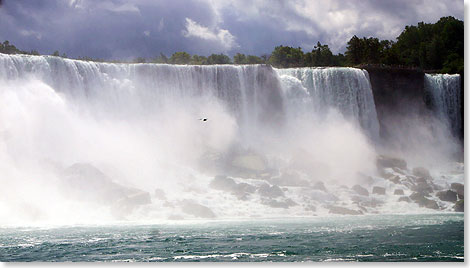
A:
270,191
289,179
448,195
378,190
398,192
319,186
459,188
360,190
459,206
404,199
160,194
421,172
422,201
279,204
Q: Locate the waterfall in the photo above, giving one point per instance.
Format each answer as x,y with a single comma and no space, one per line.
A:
346,89
445,90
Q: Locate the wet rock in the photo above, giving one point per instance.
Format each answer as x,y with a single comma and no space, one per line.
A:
197,210
395,179
270,191
422,201
319,186
459,189
343,211
421,172
448,195
240,190
279,204
459,206
404,199
422,186
390,162
360,190
398,192
159,194
378,190
223,183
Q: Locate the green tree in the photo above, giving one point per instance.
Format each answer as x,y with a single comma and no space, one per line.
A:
218,59
239,59
180,58
285,56
198,60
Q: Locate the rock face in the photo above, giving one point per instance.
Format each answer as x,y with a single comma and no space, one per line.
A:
378,190
397,94
448,195
398,192
360,190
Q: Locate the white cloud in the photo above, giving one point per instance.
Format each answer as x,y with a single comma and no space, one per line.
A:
31,33
225,39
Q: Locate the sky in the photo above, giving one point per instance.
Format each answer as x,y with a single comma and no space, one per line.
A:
119,29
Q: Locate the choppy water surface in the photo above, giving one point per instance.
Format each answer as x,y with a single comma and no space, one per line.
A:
431,237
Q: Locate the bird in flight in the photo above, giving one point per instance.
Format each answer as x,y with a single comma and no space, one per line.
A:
203,119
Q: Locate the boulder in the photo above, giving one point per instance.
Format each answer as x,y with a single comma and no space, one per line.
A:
390,162
459,189
422,186
279,204
395,179
223,183
360,190
159,194
398,192
240,190
378,190
270,191
422,201
404,199
343,211
195,209
319,186
421,172
448,195
459,206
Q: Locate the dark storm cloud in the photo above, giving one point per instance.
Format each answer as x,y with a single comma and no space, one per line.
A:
121,29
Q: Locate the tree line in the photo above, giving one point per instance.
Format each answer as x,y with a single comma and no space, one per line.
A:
429,46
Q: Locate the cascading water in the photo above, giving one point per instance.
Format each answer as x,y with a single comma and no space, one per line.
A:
444,90
90,142
347,89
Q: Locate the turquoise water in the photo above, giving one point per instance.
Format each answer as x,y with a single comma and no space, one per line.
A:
353,238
